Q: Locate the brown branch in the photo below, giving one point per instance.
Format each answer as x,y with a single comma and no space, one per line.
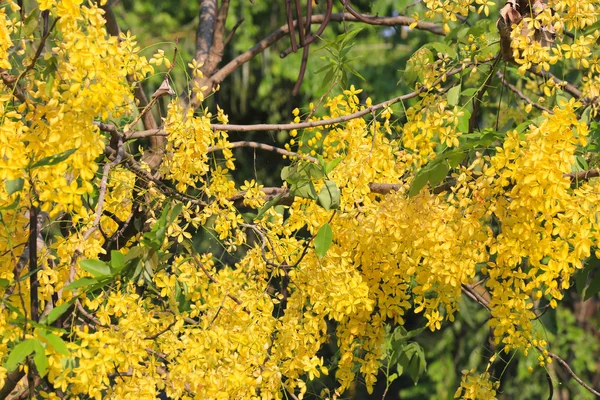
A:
520,94
307,124
567,368
280,33
166,328
266,147
232,32
39,50
33,264
320,30
11,81
205,31
290,25
154,156
209,57
304,62
144,175
333,121
568,87
485,303
479,98
164,89
583,175
10,382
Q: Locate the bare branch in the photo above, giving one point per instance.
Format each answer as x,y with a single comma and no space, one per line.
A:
212,55
567,368
10,382
568,87
12,83
280,33
205,31
154,156
520,94
479,98
320,30
290,25
583,175
266,147
232,32
485,303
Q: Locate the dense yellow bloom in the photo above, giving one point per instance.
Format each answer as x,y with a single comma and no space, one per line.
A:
173,318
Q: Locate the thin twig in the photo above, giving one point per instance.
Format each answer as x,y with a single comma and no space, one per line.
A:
482,301
214,280
266,147
317,34
157,334
39,50
232,32
479,98
567,368
283,31
290,25
520,94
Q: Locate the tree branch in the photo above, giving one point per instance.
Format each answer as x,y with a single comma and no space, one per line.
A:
283,31
211,31
520,94
568,87
154,156
10,382
205,31
485,303
266,147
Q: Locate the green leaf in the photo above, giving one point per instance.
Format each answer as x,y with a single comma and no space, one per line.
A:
455,158
175,212
285,173
87,281
328,78
56,342
323,68
392,377
323,240
454,95
329,196
19,353
354,72
97,268
53,160
469,92
31,22
419,182
443,48
40,359
312,171
549,317
330,166
581,278
133,253
4,282
463,121
268,205
417,364
438,173
12,205
593,288
56,312
14,185
305,189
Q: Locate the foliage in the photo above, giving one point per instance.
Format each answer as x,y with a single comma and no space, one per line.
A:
121,277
